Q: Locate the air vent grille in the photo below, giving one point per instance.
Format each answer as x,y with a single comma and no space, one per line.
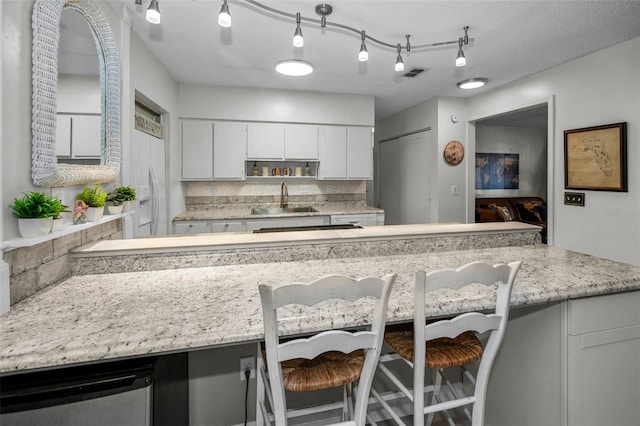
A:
413,72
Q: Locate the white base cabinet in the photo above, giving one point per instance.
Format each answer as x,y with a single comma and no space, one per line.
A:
604,360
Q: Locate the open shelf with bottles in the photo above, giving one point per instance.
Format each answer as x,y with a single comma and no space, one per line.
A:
281,169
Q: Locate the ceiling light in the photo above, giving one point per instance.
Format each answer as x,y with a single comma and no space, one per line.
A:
473,83
298,40
224,17
399,62
461,61
153,12
363,55
294,68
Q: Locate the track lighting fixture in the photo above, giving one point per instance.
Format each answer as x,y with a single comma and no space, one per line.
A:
363,55
461,61
153,12
298,40
323,10
224,17
399,62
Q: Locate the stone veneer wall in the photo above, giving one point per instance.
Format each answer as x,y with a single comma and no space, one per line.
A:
251,193
36,267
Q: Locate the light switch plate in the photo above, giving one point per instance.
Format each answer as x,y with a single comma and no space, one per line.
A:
574,199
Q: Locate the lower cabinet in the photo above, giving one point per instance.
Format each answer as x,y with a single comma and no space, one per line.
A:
207,226
604,360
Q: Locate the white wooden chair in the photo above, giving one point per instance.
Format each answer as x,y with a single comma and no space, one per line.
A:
328,359
447,344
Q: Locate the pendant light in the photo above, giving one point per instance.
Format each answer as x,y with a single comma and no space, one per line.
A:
224,17
153,12
461,61
399,62
298,40
363,55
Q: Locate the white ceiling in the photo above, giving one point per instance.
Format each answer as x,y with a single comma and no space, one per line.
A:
512,39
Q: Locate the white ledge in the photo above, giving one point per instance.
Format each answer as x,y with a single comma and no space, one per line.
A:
66,230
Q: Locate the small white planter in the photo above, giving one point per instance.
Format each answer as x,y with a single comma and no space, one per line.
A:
58,223
94,214
115,209
30,228
128,205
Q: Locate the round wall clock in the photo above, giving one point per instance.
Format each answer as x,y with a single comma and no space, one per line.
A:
453,153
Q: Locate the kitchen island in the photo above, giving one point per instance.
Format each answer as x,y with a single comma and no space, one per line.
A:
199,296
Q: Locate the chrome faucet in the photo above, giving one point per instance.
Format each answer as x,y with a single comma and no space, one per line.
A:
284,195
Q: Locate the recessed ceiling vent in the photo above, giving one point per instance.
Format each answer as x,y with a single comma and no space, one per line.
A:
413,72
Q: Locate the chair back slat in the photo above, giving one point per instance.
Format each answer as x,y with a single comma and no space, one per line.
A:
472,321
334,340
471,273
326,288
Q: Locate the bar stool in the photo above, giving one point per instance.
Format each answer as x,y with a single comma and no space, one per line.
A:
328,359
447,344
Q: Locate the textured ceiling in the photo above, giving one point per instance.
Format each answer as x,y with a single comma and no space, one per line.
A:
512,39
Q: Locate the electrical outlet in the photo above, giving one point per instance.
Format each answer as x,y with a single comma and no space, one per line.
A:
248,363
329,189
304,189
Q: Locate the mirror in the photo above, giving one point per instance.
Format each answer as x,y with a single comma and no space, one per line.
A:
79,110
45,170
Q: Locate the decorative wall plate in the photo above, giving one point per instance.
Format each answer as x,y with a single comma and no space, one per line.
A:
453,153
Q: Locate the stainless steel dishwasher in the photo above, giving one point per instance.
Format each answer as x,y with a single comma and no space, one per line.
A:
115,393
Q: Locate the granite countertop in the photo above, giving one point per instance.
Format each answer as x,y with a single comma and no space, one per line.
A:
99,317
245,212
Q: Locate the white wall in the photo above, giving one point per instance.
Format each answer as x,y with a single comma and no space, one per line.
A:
531,145
436,114
600,88
249,104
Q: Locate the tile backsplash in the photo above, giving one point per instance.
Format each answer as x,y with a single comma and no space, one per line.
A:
208,195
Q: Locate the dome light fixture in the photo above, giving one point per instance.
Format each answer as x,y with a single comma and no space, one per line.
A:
472,83
294,68
224,17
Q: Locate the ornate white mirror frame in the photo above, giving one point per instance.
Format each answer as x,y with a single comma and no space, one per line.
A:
45,170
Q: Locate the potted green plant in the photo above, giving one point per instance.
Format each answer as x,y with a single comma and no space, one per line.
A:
115,200
95,198
127,194
35,212
58,208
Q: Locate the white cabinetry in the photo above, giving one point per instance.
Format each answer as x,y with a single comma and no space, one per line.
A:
229,150
301,142
197,150
265,141
191,227
213,150
333,152
359,153
345,153
604,360
278,141
363,219
78,135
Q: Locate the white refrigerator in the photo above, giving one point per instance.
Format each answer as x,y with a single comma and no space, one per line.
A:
149,166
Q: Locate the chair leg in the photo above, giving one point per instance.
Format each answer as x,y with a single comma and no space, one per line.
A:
347,402
260,391
437,382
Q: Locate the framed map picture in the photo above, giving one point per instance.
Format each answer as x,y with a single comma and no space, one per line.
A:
595,158
497,171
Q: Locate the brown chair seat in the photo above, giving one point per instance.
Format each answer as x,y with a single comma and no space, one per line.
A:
441,353
327,370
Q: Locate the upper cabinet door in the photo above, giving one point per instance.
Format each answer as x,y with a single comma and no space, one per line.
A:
63,135
301,142
265,141
85,136
359,153
197,150
229,150
333,152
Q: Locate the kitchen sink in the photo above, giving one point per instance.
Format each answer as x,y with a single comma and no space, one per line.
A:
277,210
